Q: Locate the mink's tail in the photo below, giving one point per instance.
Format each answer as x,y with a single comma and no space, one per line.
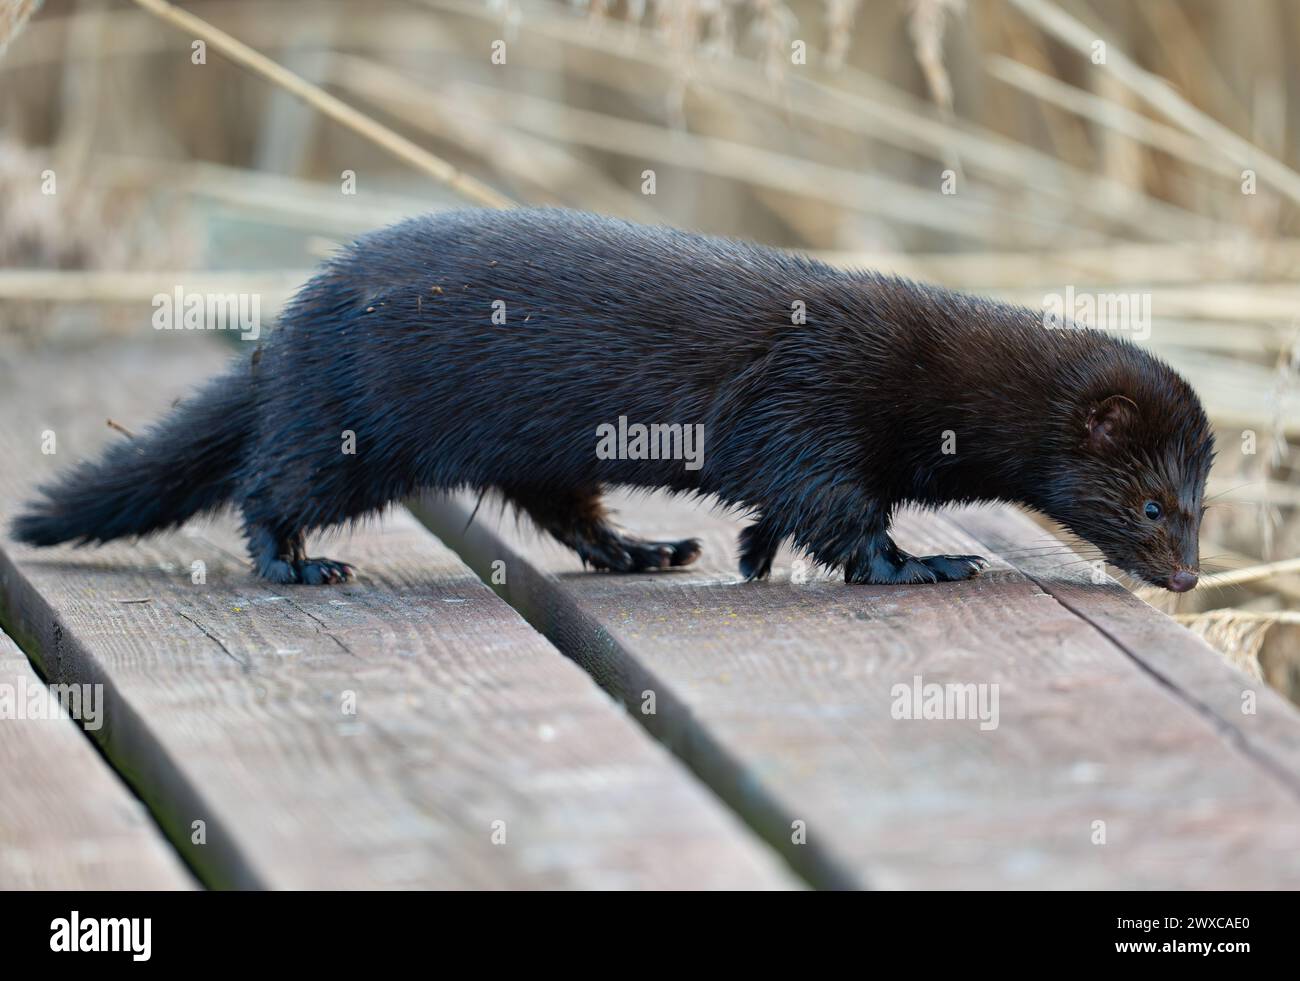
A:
181,466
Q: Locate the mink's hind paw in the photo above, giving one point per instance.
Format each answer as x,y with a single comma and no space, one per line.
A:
618,553
755,566
281,557
577,518
322,572
310,572
758,545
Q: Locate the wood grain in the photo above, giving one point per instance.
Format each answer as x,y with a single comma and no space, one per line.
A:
227,698
66,820
778,694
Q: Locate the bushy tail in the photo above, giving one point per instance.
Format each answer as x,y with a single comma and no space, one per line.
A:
181,466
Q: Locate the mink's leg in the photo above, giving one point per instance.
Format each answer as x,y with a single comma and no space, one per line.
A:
851,531
579,520
758,546
282,558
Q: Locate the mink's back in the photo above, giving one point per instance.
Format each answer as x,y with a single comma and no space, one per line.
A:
395,341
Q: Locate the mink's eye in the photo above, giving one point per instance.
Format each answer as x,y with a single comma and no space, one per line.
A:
1152,510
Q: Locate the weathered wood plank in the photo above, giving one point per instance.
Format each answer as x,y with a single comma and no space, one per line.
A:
66,820
780,695
227,699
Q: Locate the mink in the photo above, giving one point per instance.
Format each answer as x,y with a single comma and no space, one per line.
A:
498,350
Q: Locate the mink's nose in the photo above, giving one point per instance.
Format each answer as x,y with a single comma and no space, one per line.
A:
1182,580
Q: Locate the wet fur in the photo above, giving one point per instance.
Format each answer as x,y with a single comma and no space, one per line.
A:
818,430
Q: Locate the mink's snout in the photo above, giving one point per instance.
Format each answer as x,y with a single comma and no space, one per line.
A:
1181,581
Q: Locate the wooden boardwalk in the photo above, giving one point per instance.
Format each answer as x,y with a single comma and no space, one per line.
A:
477,755
779,696
413,729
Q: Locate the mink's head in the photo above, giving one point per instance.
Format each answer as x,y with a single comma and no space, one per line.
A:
1130,474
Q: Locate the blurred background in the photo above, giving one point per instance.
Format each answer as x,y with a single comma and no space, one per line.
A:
1016,148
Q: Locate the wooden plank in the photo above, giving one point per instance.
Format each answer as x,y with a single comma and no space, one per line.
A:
780,695
66,820
226,699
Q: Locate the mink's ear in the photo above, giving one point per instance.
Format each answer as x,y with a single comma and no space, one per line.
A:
1110,420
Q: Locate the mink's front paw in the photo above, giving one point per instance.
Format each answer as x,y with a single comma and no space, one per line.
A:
882,568
954,568
882,573
907,569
